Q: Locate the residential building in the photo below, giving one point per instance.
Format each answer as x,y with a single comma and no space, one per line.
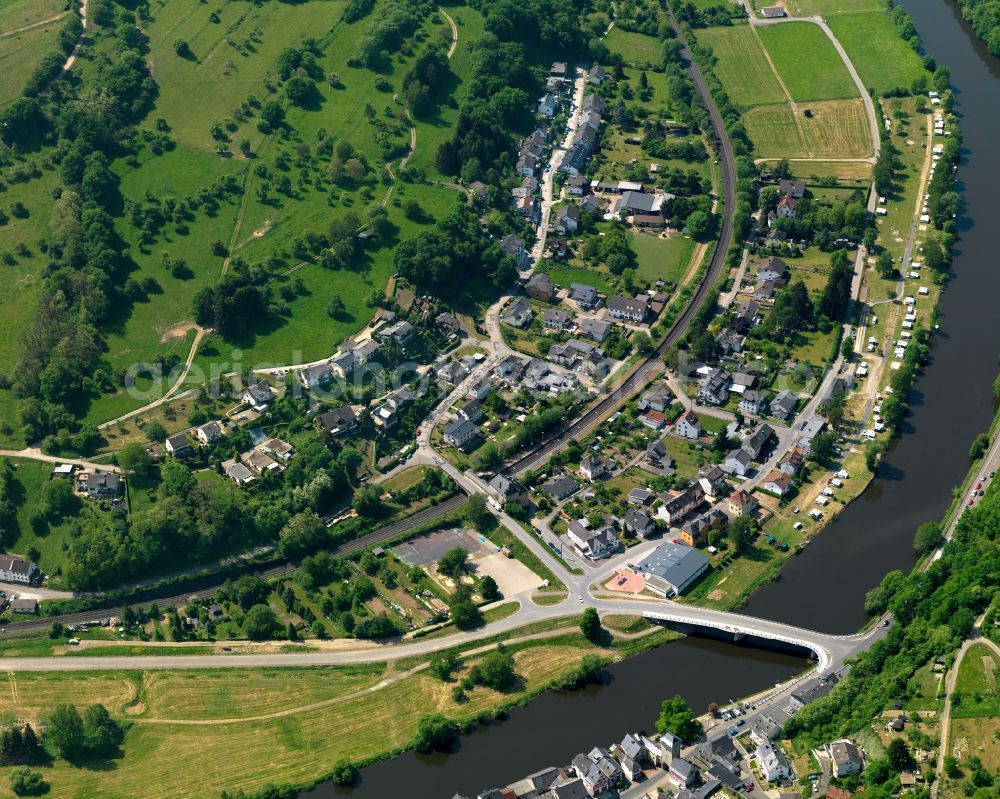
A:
714,388
509,369
17,570
178,445
554,319
675,509
773,268
460,432
557,246
634,310
694,532
338,421
757,443
597,75
845,758
539,287
742,503
560,487
514,247
517,313
657,455
793,188
638,202
479,391
384,417
401,332
100,485
471,411
239,473
594,205
658,398
258,395
811,691
210,432
279,449
593,543
313,377
595,329
814,425
764,728
501,490
452,373
259,462
547,106
688,426
765,290
366,350
791,462
567,219
783,405
730,341
585,296
712,480
738,462
772,762
682,772
638,523
777,482
640,497
594,102
654,420
747,318
342,363
593,467
787,207
752,402
576,186
479,190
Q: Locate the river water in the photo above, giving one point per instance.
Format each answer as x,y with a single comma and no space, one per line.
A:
824,587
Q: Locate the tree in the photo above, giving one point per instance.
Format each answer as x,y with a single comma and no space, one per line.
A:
935,255
699,225
101,733
303,533
893,411
443,664
452,563
873,451
344,773
27,782
176,480
134,458
489,589
590,625
335,308
260,623
65,732
368,501
58,499
742,533
899,755
496,670
836,403
434,731
823,449
182,48
927,537
676,717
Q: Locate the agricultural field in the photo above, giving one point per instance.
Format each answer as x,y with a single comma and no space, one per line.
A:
807,62
851,172
836,129
28,31
892,64
742,65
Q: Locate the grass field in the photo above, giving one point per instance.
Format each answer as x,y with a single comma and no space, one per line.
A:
28,31
565,275
892,64
832,7
807,62
858,172
837,129
184,716
658,258
977,684
742,66
635,48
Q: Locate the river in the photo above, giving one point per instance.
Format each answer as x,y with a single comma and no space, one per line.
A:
825,586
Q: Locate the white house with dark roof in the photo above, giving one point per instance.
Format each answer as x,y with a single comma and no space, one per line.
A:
177,445
688,426
18,570
632,309
460,432
258,395
583,295
210,432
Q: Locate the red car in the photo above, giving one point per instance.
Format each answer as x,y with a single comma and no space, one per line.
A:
971,500
979,485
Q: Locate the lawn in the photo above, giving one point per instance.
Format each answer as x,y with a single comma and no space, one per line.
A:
28,32
837,129
892,64
742,65
834,7
565,275
662,259
351,722
808,63
977,684
635,48
30,479
910,134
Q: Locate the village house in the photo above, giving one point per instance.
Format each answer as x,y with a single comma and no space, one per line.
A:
575,160
712,480
694,532
658,398
793,188
576,186
773,268
584,296
765,290
845,758
277,448
258,395
514,247
657,455
479,190
730,342
752,403
682,773
342,363
238,472
539,287
548,105
777,482
451,373
210,432
401,332
594,205
593,544
783,405
595,329
714,388
791,462
177,445
738,462
747,318
787,208
675,509
338,421
567,219
772,762
638,523
560,487
460,432
259,462
634,310
569,352
502,490
517,313
593,467
471,411
764,728
757,443
526,165
312,377
654,420
742,503
100,485
557,247
479,391
553,319
17,570
814,425
365,351
688,426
